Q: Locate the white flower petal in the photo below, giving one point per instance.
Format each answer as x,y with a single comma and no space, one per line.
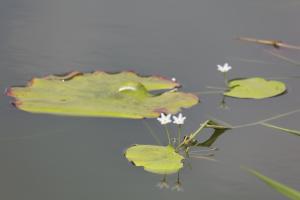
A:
164,119
179,120
224,68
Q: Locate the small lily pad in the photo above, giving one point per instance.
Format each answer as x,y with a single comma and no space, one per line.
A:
255,88
155,159
101,94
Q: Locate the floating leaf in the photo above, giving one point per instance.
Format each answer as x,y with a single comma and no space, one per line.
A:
155,159
283,189
255,88
218,131
101,94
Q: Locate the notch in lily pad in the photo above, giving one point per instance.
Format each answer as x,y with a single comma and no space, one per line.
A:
254,88
100,94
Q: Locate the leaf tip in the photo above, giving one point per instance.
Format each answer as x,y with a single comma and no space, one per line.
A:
31,82
8,92
16,103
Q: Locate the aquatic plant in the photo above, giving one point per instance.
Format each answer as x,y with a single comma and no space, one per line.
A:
224,69
169,159
246,88
129,95
155,159
100,94
254,88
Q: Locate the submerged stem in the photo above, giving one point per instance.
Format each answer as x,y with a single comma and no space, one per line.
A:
216,88
222,122
261,122
151,132
209,92
295,132
267,119
278,55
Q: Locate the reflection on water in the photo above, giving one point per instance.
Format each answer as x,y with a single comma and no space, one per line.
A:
172,158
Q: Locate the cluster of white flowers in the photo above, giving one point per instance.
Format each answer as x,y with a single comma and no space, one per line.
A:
166,119
225,68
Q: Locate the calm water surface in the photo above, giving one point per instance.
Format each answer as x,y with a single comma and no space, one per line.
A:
65,158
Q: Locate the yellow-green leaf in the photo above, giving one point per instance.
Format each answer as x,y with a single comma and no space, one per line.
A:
155,159
283,189
255,88
101,94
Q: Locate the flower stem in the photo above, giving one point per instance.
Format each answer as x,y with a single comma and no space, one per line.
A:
168,134
225,79
179,133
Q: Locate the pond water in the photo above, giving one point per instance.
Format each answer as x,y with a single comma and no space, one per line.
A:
55,157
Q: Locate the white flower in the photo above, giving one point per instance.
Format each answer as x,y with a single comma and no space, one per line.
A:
179,120
164,119
224,68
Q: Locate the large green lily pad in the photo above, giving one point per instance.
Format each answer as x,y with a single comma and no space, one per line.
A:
155,159
101,94
255,88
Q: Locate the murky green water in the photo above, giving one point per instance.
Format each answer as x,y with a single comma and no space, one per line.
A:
51,157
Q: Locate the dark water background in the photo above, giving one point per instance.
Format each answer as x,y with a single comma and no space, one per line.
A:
64,158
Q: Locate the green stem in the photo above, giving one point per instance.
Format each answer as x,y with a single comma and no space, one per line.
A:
164,180
179,133
278,55
193,135
168,134
261,122
178,178
295,132
268,119
225,79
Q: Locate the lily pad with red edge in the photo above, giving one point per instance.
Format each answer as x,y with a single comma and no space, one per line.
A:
100,94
